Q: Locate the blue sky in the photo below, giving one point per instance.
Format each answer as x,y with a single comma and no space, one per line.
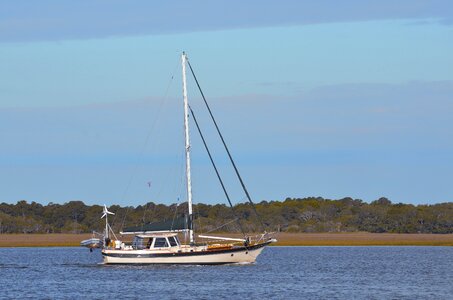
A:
315,99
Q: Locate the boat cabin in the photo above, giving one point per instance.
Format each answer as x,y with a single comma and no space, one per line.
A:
155,241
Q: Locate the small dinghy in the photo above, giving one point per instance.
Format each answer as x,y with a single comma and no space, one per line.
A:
91,243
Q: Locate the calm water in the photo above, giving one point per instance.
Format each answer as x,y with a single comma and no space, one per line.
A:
280,273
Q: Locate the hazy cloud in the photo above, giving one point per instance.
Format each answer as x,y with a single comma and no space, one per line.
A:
389,138
23,20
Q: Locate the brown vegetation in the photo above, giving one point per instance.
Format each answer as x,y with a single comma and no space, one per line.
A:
363,239
42,240
284,239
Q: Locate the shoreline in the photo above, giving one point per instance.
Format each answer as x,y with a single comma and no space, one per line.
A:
284,239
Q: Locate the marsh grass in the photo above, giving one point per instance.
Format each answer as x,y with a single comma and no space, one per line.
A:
284,239
363,239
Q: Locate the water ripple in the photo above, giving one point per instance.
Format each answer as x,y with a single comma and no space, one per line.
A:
280,273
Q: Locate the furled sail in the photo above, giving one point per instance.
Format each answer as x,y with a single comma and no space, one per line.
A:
177,224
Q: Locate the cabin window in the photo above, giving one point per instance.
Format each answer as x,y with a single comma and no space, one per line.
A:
172,241
160,243
137,243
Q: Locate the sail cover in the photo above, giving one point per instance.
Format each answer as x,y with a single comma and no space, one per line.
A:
178,224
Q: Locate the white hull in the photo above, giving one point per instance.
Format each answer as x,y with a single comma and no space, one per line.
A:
200,258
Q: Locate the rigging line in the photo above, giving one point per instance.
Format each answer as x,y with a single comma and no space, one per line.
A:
147,208
216,171
161,188
174,217
226,148
144,213
145,144
181,177
178,171
212,230
199,229
173,173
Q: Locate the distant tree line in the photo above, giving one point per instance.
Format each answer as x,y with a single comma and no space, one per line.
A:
312,214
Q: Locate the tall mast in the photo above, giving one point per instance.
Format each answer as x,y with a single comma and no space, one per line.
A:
187,139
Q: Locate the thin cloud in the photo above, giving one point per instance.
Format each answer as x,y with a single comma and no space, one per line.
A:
23,21
321,136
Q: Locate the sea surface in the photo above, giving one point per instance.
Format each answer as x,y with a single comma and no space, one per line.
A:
279,273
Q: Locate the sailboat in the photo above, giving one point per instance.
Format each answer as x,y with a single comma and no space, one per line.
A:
159,243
